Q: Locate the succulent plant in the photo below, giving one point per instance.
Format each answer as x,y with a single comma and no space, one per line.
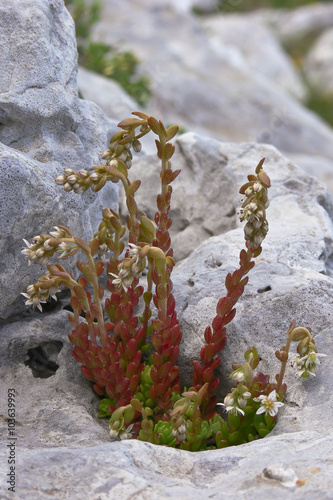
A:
128,345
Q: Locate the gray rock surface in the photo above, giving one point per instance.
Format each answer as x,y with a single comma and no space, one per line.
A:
44,128
300,213
317,166
59,437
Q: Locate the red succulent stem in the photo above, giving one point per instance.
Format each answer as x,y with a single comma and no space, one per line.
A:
165,339
215,335
167,334
114,367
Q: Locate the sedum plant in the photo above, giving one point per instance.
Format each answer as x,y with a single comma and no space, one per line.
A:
126,338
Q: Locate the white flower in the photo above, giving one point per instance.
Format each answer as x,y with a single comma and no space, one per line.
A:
114,433
257,186
34,301
268,404
126,434
306,365
230,406
180,432
122,281
58,233
237,375
66,248
134,252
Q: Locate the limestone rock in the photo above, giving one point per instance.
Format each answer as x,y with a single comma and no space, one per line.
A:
45,128
317,166
55,406
62,447
205,195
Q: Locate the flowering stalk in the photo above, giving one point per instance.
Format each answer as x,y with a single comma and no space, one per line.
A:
306,361
253,210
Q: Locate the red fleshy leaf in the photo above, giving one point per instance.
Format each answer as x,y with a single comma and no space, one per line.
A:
211,404
157,360
164,369
131,324
99,267
160,389
122,385
174,355
228,317
109,388
134,383
174,371
78,354
214,385
198,367
87,374
216,362
207,375
208,352
152,393
127,312
97,389
157,340
219,305
208,334
131,369
217,323
131,348
102,356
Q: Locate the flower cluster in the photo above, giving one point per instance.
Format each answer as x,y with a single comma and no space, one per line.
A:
306,365
44,246
40,292
120,148
130,267
180,432
236,400
253,209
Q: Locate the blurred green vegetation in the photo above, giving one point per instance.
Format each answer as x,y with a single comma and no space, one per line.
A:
322,105
247,5
120,66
